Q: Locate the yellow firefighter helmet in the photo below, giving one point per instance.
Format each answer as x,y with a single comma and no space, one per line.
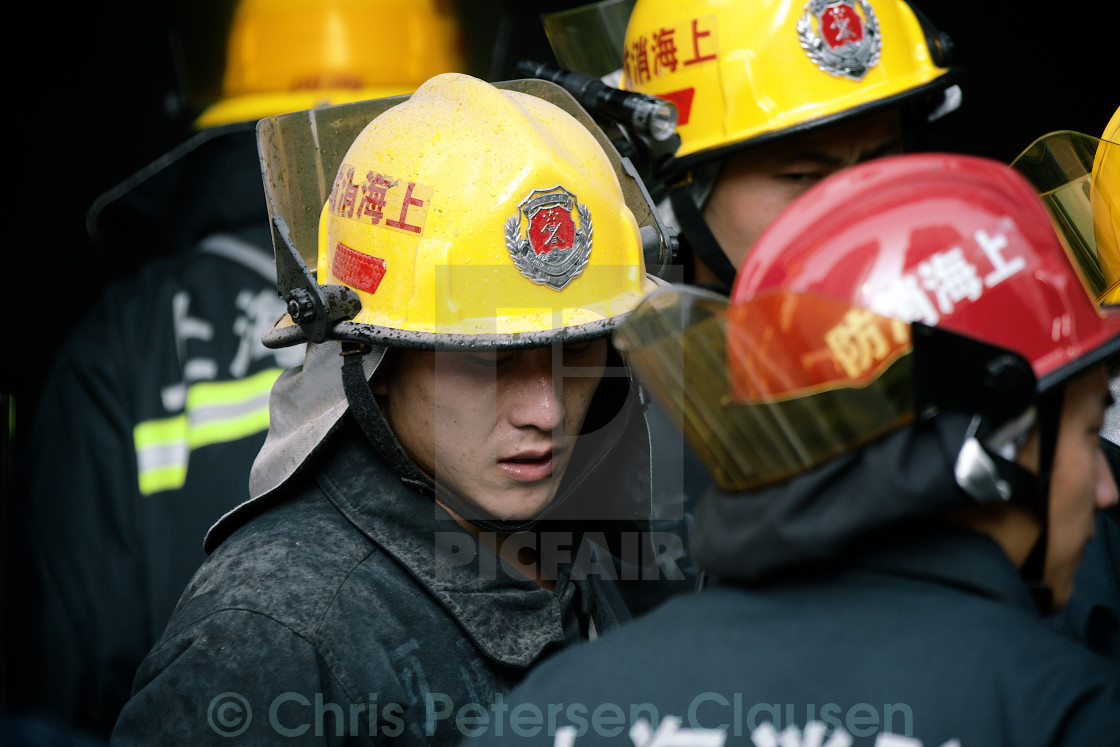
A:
289,55
469,215
742,74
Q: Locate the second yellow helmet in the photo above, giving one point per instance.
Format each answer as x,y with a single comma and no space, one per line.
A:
744,73
288,55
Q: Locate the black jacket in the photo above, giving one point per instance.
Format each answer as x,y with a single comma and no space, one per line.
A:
149,420
819,620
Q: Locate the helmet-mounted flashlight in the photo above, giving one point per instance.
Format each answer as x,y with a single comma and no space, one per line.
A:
646,115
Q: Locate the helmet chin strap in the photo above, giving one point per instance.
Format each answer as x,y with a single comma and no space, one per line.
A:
1033,569
367,413
697,237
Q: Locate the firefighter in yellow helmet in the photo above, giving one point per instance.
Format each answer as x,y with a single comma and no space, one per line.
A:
446,475
157,405
772,97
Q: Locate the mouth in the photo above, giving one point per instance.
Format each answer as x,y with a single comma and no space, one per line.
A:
528,466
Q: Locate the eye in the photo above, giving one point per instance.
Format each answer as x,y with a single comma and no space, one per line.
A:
579,350
487,360
801,178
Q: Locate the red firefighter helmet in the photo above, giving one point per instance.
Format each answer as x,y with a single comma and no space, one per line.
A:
887,292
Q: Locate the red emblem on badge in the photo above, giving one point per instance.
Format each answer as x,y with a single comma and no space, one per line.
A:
557,242
840,25
551,229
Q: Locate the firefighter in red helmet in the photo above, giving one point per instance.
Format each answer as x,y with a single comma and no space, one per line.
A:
900,404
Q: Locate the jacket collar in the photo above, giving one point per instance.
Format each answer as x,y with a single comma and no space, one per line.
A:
828,512
509,617
949,555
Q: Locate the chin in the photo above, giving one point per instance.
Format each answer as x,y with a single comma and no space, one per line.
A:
516,506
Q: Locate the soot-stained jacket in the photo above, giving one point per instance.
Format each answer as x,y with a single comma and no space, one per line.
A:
347,606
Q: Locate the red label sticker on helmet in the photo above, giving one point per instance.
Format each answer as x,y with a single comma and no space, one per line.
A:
555,248
360,271
682,99
838,39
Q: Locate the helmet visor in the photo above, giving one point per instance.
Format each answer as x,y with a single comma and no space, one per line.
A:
1078,177
771,387
589,39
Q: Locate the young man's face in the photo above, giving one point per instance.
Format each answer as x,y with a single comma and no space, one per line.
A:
754,186
495,429
1080,482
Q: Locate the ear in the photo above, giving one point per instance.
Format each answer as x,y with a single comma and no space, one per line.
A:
377,385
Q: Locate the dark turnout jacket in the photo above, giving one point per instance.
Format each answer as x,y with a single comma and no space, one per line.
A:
823,623
347,607
148,423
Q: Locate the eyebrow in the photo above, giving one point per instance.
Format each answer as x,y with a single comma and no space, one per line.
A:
814,156
828,159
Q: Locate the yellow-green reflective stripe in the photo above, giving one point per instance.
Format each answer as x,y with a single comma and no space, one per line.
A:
165,478
162,448
216,412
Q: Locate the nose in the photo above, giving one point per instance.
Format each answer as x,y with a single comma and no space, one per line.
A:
532,392
1107,493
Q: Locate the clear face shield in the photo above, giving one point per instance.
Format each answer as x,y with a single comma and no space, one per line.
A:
590,39
1078,177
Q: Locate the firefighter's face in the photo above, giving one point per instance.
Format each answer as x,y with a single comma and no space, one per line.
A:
495,429
1080,482
755,185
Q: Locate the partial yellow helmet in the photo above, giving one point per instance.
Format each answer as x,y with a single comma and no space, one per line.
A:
742,74
1078,177
472,215
1104,196
288,55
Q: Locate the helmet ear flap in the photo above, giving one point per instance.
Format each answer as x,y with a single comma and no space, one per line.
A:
955,372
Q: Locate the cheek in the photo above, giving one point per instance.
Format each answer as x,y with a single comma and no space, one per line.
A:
577,397
463,418
738,213
1074,485
412,426
1106,493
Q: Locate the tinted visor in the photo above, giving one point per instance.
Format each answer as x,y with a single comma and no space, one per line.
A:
773,386
1078,177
